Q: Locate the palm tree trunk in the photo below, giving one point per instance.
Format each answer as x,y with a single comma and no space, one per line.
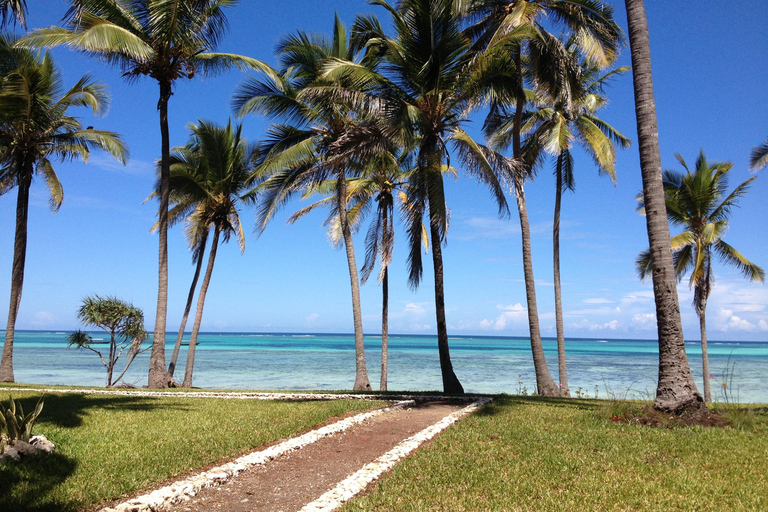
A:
384,328
451,384
199,313
545,385
361,373
676,389
704,351
158,376
17,272
188,307
561,363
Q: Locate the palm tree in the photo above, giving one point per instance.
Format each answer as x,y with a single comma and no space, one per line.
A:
36,130
427,86
570,91
506,28
675,390
758,159
694,201
209,177
317,144
13,10
382,184
165,40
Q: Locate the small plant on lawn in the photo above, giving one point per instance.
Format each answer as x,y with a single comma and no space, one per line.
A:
14,424
123,322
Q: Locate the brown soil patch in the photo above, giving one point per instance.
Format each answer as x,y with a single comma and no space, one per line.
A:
690,416
300,477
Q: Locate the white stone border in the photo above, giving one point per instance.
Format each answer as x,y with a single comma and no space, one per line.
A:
347,489
183,490
357,482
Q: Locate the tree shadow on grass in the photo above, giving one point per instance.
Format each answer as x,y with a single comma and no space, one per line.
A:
499,402
26,484
66,410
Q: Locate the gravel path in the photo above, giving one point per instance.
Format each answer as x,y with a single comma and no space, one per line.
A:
314,472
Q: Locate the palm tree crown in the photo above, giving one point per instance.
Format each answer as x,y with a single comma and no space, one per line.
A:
210,178
36,130
165,40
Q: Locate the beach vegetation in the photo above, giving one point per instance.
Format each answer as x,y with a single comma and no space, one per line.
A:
14,424
675,388
13,11
317,138
121,320
37,130
569,92
107,446
696,201
428,85
758,159
210,179
511,34
165,41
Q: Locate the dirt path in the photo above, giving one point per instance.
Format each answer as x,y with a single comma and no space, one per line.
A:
291,481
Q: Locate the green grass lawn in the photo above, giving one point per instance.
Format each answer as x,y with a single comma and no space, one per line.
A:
109,445
534,454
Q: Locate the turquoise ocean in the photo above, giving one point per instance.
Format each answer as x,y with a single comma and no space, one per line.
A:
483,364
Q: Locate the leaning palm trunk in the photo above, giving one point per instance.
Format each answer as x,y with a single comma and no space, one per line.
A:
561,363
17,274
158,376
361,373
676,389
199,313
187,308
384,328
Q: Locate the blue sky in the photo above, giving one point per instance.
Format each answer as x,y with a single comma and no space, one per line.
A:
710,65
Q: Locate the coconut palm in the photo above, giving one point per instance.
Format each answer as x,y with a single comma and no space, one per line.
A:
209,177
675,389
13,10
36,129
318,143
569,93
758,159
387,175
507,28
165,40
695,201
427,85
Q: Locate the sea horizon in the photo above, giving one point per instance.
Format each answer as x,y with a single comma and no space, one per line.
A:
597,367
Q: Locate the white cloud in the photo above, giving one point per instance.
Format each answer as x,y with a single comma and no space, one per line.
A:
420,327
586,325
597,301
643,321
762,325
414,309
728,321
511,314
43,318
311,320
